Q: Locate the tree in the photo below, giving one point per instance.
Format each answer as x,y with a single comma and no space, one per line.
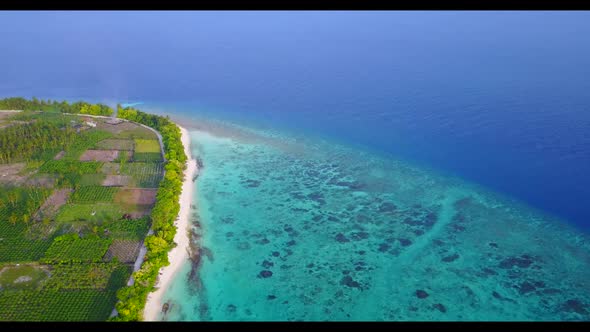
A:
13,219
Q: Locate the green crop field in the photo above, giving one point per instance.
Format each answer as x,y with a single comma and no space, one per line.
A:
146,175
146,145
17,206
80,276
91,194
62,303
71,248
135,229
17,246
70,166
59,305
147,157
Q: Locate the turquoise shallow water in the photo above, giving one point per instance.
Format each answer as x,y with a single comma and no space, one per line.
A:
296,229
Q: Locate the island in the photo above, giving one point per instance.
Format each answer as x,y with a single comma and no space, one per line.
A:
93,207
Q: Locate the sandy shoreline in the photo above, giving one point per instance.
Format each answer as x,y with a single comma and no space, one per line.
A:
179,254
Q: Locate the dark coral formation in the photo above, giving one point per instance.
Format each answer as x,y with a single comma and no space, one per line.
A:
383,247
341,238
357,236
440,307
574,305
405,242
421,294
524,261
451,258
349,282
265,274
387,207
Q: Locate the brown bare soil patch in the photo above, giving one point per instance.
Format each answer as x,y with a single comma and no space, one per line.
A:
140,211
111,168
11,173
116,180
125,250
59,155
46,181
116,128
136,196
53,203
115,144
99,155
6,115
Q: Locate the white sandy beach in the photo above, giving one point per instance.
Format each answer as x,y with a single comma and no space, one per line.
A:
178,255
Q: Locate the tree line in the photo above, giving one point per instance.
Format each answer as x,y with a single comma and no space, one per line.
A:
79,107
24,142
132,299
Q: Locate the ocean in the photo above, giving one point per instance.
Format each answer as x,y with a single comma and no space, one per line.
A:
358,165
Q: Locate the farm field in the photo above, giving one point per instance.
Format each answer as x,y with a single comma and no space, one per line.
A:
147,145
75,197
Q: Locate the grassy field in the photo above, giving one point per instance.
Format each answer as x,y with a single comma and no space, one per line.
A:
136,133
91,179
67,264
22,277
146,145
114,143
99,212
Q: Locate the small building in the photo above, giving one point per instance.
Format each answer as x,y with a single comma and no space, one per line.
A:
90,124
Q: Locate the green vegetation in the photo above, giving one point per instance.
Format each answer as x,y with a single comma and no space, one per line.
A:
70,248
17,103
145,175
63,304
91,179
134,229
134,133
147,145
89,212
23,142
132,298
147,150
21,277
92,305
69,166
81,276
147,157
17,246
84,141
91,194
19,204
17,207
115,143
75,247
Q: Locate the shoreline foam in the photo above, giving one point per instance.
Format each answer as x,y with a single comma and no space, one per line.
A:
179,254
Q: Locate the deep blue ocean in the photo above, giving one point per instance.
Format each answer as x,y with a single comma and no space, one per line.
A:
501,99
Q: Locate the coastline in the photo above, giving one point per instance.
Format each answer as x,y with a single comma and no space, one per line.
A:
179,254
